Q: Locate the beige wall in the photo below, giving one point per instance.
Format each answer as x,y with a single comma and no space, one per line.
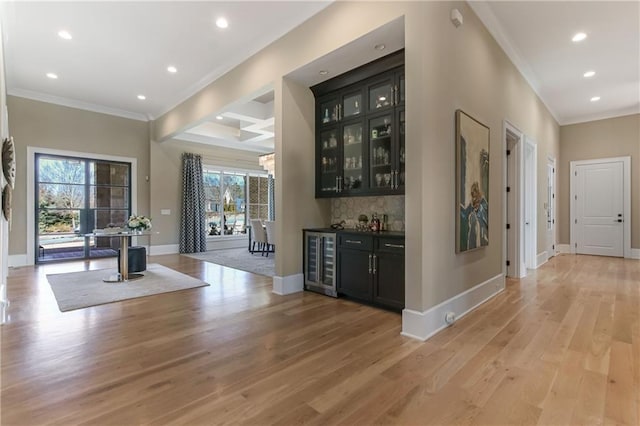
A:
614,137
446,68
44,125
166,180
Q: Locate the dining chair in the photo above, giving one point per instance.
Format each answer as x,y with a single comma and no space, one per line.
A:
258,235
270,226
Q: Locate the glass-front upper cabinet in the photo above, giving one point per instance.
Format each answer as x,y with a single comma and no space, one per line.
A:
329,110
353,153
351,105
381,152
380,94
329,161
400,170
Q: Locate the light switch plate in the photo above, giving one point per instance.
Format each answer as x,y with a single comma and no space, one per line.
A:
165,212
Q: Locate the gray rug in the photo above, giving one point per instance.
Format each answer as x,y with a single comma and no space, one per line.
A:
75,290
239,258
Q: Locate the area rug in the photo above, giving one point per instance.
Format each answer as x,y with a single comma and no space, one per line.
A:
75,290
239,258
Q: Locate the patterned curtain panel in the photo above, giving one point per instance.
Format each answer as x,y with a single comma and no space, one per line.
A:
193,235
272,198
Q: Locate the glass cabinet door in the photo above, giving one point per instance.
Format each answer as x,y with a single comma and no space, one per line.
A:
352,157
311,261
380,95
380,160
329,110
329,160
351,105
327,262
400,99
401,148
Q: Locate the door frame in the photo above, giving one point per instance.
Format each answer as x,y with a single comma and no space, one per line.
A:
626,199
31,156
514,254
530,198
551,161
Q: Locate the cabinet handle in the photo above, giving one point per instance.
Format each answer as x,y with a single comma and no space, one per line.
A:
374,263
337,187
340,184
369,264
394,245
396,174
340,111
395,90
353,242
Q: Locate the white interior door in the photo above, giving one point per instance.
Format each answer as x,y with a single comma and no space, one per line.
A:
550,207
599,208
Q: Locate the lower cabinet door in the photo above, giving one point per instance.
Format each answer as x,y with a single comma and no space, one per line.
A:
388,282
354,277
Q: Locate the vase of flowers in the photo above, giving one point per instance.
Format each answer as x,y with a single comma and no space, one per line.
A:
139,223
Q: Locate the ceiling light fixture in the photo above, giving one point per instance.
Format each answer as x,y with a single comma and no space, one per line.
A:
595,99
578,37
219,117
222,23
379,46
172,69
589,74
142,97
52,75
324,72
65,34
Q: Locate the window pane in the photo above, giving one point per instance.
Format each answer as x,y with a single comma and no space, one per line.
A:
234,202
58,221
106,173
213,205
109,197
60,170
60,196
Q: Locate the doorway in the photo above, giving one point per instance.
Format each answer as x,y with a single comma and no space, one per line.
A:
73,196
601,207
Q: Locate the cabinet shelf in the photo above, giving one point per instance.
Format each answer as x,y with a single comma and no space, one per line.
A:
380,138
356,169
381,165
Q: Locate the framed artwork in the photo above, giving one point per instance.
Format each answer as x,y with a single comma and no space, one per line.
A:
472,183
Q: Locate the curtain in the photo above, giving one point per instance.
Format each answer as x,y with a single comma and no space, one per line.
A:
271,198
193,229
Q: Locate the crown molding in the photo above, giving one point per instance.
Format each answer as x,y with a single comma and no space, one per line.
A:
72,103
601,116
485,14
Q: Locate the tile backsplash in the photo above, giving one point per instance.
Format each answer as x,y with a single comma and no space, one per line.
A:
349,208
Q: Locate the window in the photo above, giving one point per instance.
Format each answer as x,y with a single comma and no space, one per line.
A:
225,201
258,197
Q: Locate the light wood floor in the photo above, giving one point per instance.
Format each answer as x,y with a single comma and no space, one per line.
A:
561,347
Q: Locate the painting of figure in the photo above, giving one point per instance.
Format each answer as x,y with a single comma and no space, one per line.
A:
472,183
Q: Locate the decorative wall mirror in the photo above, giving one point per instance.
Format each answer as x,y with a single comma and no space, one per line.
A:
9,161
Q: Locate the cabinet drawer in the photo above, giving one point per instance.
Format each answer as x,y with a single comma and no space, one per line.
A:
391,245
357,242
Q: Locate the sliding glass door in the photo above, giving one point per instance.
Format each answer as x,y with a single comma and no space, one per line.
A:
74,196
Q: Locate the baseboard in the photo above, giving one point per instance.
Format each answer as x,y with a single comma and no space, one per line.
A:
164,249
17,260
541,259
289,284
564,248
423,325
635,253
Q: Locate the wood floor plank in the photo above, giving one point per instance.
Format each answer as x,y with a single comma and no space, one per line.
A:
561,346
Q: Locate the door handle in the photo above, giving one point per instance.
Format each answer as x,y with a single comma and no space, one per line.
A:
618,220
369,264
374,264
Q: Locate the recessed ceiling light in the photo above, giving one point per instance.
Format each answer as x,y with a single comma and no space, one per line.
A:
595,99
579,37
65,34
379,46
324,72
142,97
172,69
219,117
222,23
589,74
52,75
